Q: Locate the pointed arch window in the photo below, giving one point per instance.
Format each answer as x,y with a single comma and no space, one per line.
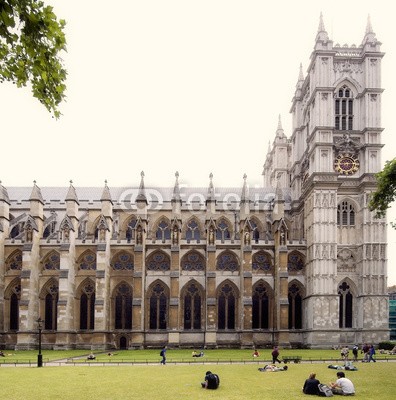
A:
260,307
88,261
14,261
51,307
344,109
295,262
345,214
193,261
295,307
255,231
261,262
130,230
192,232
87,307
14,307
158,307
122,261
158,261
192,307
123,307
226,308
52,261
163,231
345,306
227,261
223,231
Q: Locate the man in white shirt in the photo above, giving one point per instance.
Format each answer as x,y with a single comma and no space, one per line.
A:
342,385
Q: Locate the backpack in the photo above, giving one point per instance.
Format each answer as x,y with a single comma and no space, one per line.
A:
162,353
324,390
213,381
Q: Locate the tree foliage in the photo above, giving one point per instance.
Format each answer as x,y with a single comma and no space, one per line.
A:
386,190
31,38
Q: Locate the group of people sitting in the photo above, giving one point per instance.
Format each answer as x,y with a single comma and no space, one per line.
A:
342,386
196,354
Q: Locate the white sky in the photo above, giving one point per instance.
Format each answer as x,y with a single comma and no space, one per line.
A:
188,86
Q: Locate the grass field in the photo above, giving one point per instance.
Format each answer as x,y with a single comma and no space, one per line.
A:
107,381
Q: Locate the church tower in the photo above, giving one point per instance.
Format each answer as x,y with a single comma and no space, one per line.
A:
336,150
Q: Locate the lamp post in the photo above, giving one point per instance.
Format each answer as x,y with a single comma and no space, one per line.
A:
39,356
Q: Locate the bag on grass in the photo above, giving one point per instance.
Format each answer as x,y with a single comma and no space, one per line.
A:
324,390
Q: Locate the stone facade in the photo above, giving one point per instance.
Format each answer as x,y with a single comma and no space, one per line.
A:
298,262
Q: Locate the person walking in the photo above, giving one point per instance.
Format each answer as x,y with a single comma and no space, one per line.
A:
371,354
275,355
355,351
163,355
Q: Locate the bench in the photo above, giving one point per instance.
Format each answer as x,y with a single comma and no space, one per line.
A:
295,359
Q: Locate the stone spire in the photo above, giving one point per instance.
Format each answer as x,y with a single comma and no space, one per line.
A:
300,76
36,194
369,36
279,131
71,193
142,192
322,35
106,196
176,189
211,194
245,190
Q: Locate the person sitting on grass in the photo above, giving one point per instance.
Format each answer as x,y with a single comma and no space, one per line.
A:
256,353
211,381
311,385
91,357
342,385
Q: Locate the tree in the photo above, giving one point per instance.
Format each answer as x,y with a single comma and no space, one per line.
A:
31,38
386,190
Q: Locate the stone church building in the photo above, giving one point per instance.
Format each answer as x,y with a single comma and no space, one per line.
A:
300,261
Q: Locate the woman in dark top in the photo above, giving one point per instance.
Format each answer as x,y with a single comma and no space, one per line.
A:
311,385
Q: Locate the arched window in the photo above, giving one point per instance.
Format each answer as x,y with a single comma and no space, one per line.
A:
158,261
14,307
87,261
158,307
295,307
261,262
130,230
192,307
260,307
51,307
223,231
295,262
122,261
14,261
52,261
192,232
344,109
87,307
193,261
346,306
123,307
227,261
345,214
163,231
226,308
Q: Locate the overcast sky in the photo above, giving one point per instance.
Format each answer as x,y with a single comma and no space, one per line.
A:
189,86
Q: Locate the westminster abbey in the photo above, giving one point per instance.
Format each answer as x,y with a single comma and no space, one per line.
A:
298,262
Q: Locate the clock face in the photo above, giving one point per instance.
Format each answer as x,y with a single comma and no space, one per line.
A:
346,164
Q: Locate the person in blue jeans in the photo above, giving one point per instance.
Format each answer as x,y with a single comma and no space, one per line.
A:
163,355
371,354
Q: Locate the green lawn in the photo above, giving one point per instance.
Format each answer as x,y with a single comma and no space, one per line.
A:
175,381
